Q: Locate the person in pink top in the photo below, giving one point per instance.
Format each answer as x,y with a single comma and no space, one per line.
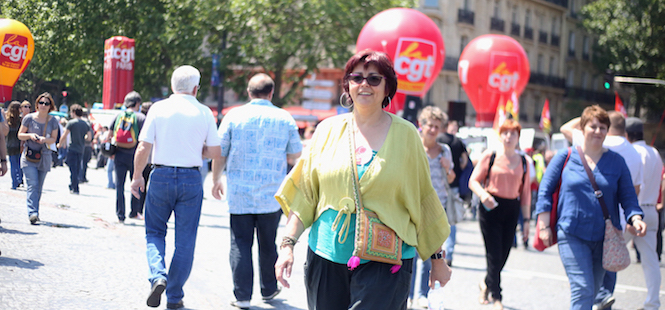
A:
504,174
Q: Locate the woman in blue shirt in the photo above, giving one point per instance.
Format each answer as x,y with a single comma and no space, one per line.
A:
580,224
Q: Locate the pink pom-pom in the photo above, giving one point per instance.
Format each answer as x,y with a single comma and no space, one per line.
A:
354,262
395,268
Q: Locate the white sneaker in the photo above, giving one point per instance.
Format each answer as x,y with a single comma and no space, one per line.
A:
242,304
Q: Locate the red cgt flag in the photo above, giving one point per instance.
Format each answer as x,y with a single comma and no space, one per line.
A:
618,105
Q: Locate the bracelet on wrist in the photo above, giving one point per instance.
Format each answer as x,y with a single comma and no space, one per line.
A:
288,241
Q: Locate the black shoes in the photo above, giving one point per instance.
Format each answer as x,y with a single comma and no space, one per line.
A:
155,296
271,296
175,305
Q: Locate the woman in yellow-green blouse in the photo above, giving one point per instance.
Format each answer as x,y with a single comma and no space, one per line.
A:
394,182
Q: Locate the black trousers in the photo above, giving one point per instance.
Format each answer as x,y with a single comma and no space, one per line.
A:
498,229
332,286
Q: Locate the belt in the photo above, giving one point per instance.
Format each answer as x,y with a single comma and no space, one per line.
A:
164,166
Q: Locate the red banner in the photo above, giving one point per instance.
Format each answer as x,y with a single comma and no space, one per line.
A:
118,70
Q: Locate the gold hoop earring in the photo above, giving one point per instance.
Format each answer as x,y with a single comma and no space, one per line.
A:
342,101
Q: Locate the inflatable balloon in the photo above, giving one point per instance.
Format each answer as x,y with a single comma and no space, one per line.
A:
16,50
492,66
414,43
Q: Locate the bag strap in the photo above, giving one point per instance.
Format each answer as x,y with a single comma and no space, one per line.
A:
523,173
596,191
489,168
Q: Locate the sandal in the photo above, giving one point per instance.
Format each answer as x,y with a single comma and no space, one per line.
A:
484,293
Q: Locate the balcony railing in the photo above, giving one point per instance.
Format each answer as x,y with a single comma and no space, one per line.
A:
547,80
571,53
497,24
542,37
515,29
589,95
451,63
555,40
528,33
465,16
585,56
563,3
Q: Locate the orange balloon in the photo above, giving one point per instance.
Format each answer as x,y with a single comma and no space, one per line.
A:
16,50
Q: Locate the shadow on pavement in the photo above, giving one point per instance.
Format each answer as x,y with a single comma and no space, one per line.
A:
15,232
15,262
58,225
279,304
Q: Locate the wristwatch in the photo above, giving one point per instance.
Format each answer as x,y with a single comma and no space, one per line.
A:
441,254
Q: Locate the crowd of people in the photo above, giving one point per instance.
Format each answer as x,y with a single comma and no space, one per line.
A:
341,196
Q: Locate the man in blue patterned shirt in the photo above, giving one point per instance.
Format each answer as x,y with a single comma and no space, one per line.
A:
257,139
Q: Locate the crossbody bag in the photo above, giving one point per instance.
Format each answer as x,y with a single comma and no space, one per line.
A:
615,252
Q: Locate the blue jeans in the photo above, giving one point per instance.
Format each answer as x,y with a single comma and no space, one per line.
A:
17,174
424,277
85,159
178,191
449,244
240,256
110,171
607,288
583,263
35,180
124,163
74,162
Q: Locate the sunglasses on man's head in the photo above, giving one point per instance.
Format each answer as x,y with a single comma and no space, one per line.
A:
372,80
45,102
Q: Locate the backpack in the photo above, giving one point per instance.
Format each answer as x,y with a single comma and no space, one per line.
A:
125,131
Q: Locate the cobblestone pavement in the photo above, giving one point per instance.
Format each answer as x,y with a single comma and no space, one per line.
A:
80,257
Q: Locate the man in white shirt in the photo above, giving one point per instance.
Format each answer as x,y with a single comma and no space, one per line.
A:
181,130
615,141
648,197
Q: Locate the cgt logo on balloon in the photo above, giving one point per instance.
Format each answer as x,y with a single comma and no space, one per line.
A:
501,79
124,56
414,64
13,51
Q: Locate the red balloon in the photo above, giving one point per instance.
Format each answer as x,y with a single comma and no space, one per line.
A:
414,43
492,66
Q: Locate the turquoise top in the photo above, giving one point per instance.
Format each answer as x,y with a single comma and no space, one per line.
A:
323,238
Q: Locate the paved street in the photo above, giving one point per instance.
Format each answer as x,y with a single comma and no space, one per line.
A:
80,257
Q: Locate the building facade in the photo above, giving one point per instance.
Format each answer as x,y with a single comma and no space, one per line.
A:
559,54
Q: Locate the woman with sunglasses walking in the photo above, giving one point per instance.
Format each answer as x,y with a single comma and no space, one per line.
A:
366,160
38,129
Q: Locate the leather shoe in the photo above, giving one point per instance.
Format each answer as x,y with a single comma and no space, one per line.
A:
155,296
175,305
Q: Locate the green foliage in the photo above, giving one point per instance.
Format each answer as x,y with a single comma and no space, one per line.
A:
288,38
630,41
69,42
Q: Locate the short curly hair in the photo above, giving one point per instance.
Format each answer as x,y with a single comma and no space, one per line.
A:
382,62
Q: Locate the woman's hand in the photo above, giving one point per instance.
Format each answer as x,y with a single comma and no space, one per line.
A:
640,227
488,201
445,163
284,264
545,235
525,231
440,272
36,138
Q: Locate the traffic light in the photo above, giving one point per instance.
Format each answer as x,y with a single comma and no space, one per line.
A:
609,79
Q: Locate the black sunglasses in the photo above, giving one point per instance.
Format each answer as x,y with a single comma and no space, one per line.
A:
45,102
372,80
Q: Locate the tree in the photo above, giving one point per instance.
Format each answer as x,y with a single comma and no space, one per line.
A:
69,42
288,38
630,41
